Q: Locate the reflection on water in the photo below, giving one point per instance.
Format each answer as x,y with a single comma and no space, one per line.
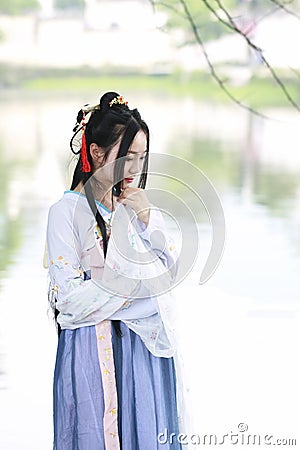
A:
10,226
239,166
258,182
254,164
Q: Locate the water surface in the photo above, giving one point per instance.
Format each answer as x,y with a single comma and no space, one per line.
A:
239,332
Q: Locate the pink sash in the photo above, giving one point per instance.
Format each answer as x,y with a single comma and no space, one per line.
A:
107,368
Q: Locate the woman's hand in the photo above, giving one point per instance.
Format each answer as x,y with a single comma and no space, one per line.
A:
137,199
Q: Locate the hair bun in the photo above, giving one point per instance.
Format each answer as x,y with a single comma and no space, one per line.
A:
106,99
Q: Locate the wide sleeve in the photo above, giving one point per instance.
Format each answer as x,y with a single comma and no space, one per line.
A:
80,301
157,237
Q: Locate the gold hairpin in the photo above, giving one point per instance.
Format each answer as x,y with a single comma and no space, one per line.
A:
118,101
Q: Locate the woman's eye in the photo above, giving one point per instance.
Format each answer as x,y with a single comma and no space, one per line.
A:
132,159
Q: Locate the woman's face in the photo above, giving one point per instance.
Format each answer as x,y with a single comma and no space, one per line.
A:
135,158
134,161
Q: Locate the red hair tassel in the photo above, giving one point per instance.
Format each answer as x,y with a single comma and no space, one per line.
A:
85,164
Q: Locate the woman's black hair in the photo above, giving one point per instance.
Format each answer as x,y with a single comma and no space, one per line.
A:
108,124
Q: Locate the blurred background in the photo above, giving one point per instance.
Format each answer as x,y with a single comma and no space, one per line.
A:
239,332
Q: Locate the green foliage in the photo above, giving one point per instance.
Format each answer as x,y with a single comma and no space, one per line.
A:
208,14
13,7
258,93
69,4
208,25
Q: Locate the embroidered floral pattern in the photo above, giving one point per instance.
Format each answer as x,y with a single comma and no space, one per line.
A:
135,321
59,263
126,304
116,267
97,232
106,362
108,225
79,270
153,335
132,240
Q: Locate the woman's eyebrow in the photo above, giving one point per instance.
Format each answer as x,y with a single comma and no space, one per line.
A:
130,151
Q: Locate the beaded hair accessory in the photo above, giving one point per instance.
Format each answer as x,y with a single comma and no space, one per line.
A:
118,101
85,164
87,110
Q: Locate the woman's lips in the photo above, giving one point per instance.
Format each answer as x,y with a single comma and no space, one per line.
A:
129,180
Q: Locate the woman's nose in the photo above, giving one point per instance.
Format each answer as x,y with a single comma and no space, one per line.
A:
136,166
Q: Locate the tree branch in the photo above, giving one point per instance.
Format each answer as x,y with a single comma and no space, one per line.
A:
232,26
167,6
214,74
284,8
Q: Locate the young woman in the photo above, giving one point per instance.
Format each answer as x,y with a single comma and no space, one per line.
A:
110,271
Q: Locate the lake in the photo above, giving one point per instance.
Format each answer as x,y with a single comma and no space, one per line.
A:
238,332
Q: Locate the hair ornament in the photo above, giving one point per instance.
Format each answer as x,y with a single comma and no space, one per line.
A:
85,164
90,108
118,101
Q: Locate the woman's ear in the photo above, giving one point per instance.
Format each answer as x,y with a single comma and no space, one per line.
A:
97,154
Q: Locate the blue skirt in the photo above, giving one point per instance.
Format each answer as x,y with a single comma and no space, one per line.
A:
146,393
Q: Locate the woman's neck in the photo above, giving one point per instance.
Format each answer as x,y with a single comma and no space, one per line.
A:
105,199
